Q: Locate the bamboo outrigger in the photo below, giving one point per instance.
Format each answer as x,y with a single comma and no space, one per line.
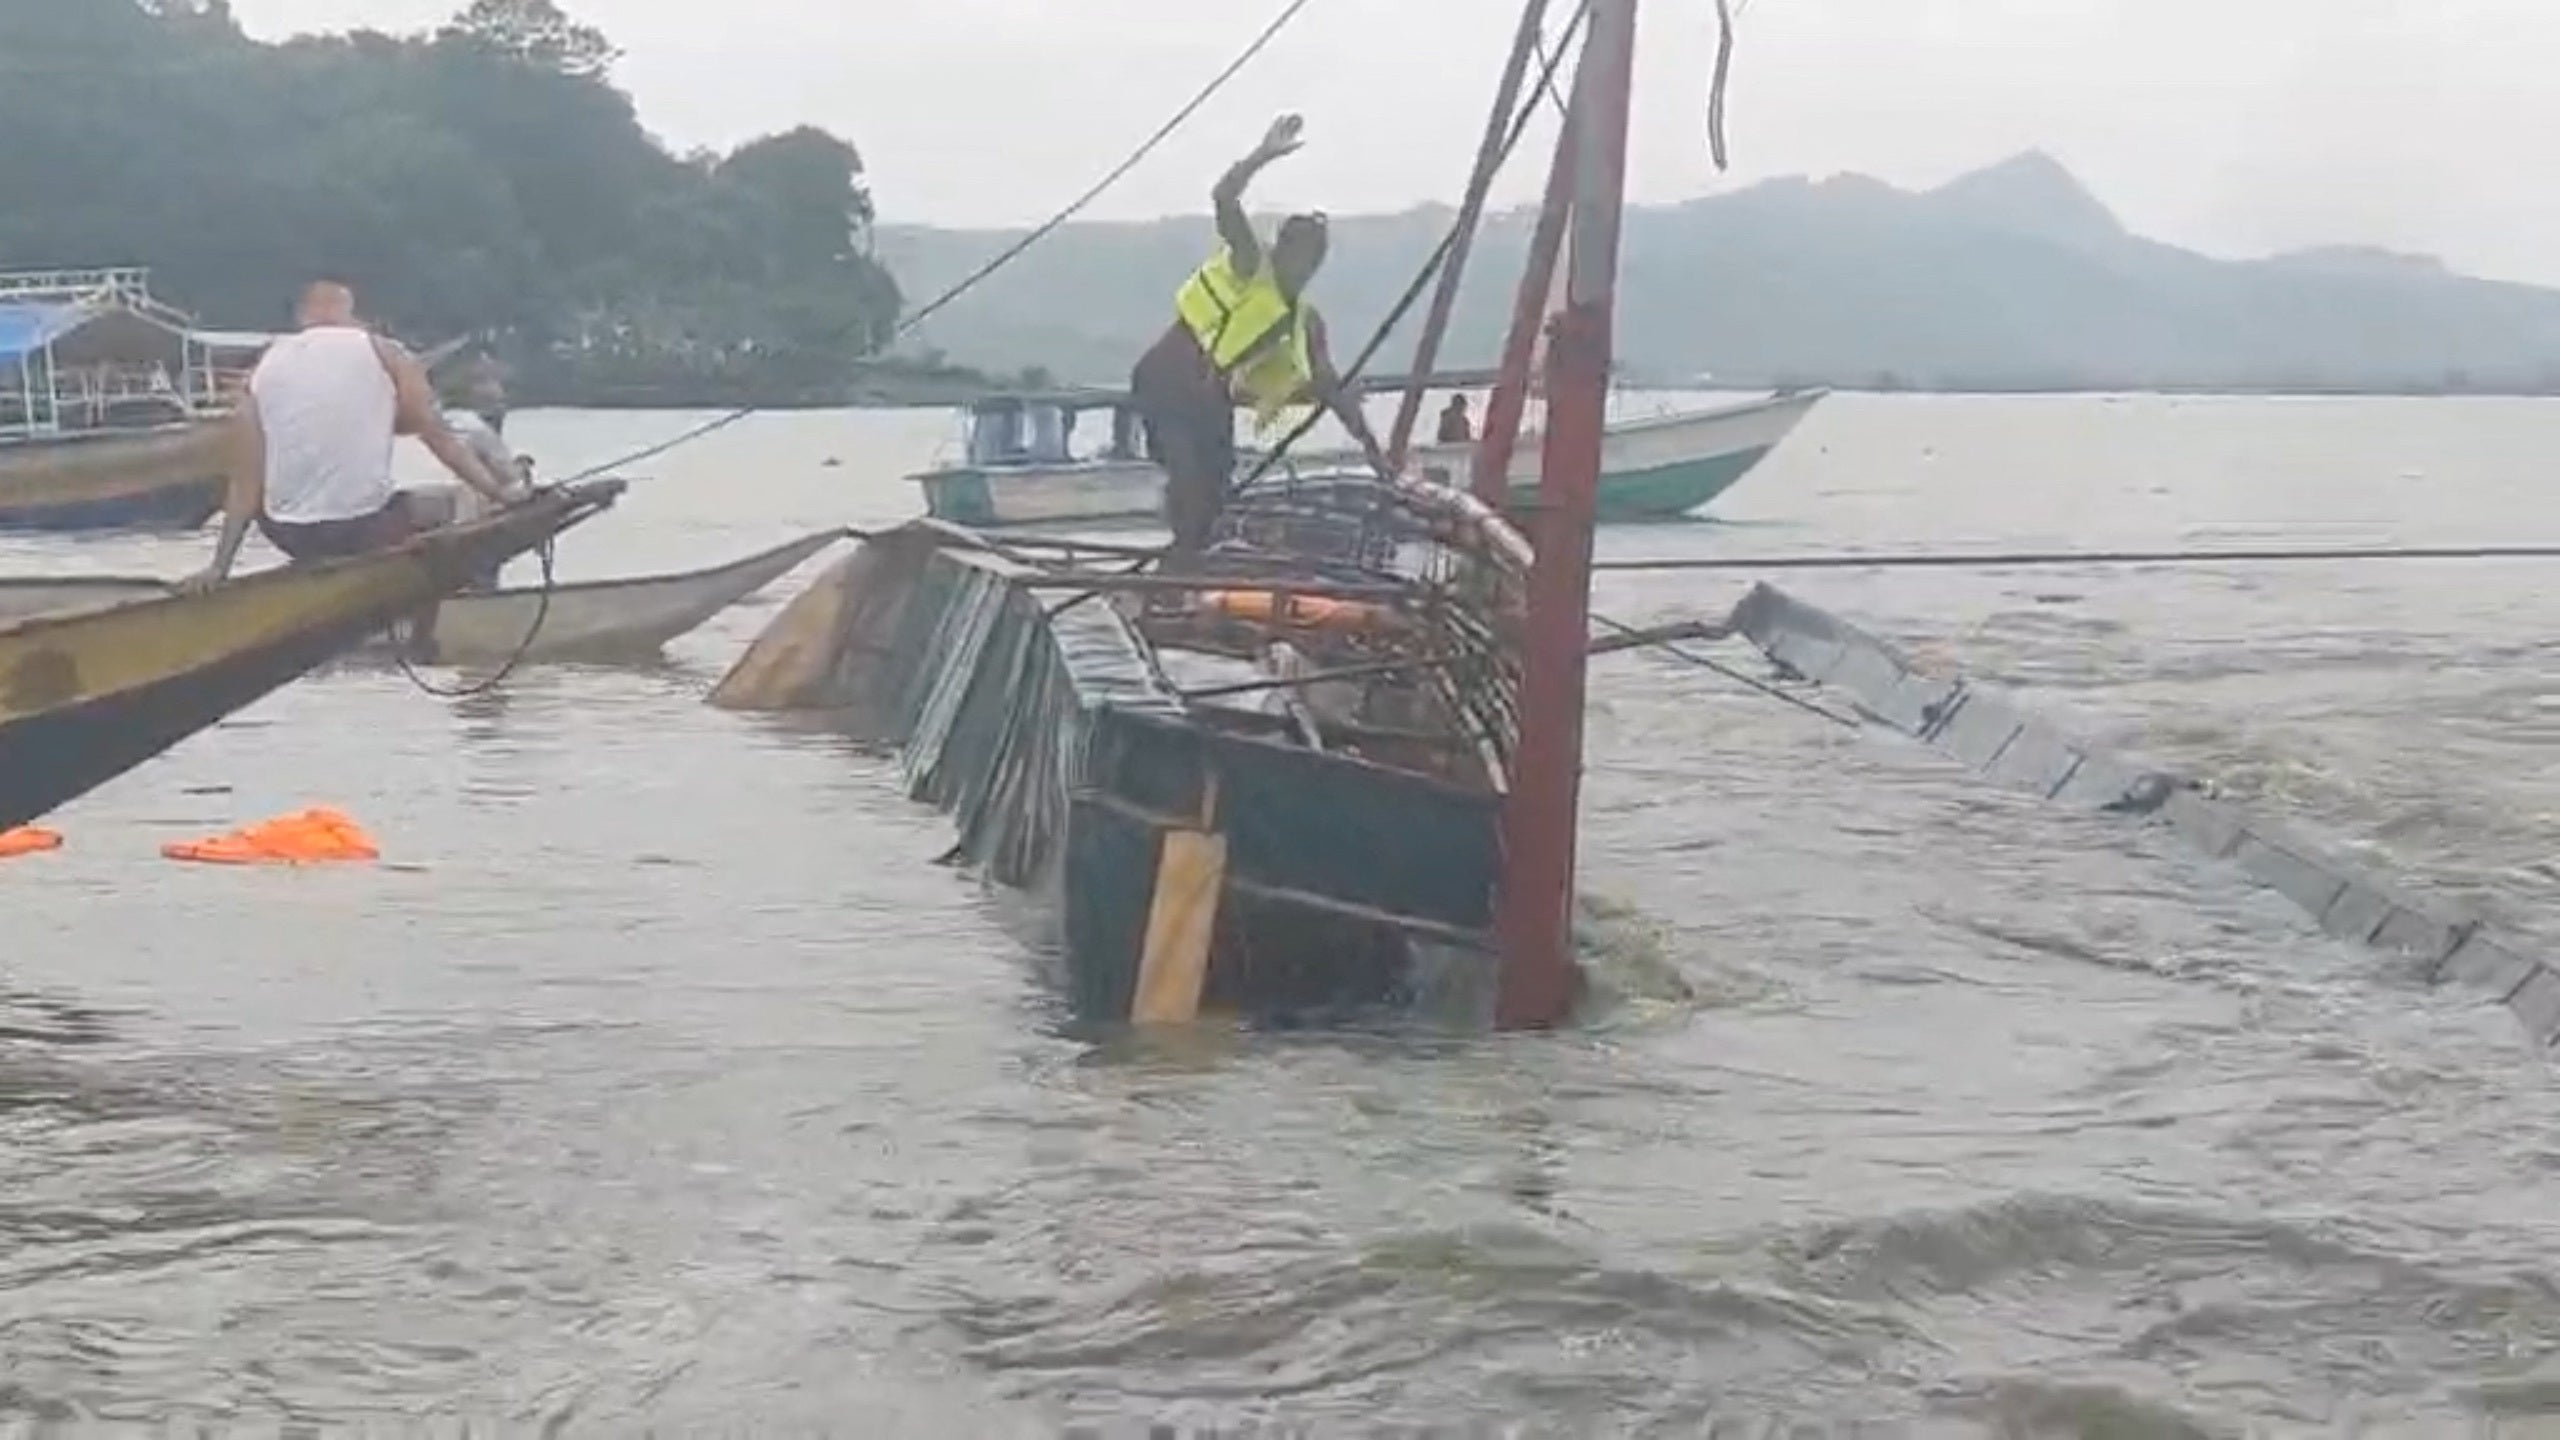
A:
591,620
88,695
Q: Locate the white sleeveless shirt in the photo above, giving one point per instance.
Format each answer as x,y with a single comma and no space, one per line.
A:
327,408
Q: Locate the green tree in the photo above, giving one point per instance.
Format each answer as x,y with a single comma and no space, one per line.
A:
486,179
538,33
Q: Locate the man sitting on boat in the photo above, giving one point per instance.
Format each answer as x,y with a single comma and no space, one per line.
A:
310,453
1242,331
476,409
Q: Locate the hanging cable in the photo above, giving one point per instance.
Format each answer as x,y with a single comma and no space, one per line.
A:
1718,667
541,612
1010,253
1715,87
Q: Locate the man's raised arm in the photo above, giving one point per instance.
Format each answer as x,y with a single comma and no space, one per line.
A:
1226,198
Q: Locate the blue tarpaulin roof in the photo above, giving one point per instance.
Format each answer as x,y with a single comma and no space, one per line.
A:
26,328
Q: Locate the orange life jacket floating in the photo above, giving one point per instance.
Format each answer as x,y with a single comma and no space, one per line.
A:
27,840
310,837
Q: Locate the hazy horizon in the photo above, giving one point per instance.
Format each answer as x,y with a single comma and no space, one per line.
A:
2288,125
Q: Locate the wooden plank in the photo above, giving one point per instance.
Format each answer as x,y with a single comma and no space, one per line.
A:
1174,969
1414,925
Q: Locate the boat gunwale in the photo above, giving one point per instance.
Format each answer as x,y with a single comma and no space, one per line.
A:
577,504
165,589
673,577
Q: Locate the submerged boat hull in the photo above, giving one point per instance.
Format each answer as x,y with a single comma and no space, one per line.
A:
591,620
86,696
1072,769
1660,468
168,479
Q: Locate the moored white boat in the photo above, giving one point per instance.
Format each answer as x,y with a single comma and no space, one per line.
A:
1654,468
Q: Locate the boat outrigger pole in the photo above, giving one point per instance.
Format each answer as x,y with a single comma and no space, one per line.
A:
1490,479
1489,155
1534,911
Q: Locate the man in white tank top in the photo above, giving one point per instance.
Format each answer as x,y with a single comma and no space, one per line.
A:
310,454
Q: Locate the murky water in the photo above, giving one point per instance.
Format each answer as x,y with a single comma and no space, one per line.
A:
661,1078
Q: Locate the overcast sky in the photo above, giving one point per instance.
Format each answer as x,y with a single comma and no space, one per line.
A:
2233,126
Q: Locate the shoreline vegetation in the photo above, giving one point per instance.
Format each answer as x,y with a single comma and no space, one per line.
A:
488,178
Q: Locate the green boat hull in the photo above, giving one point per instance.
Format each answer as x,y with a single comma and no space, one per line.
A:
1668,492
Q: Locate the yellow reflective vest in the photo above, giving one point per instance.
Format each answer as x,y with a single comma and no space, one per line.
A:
1252,332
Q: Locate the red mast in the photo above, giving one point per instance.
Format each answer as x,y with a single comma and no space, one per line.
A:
1489,155
1489,480
1534,918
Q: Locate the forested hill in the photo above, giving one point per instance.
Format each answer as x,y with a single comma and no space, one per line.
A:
487,176
2012,278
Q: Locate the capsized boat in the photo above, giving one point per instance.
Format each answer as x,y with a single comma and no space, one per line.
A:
1022,467
89,695
584,620
1270,785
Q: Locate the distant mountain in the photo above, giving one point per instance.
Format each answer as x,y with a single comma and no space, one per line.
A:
2013,277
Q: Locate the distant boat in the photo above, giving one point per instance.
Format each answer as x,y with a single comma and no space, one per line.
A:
106,399
1021,471
88,695
587,620
1658,468
1019,465
100,386
169,478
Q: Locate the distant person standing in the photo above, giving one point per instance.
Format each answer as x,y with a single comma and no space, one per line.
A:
310,451
1242,331
1455,427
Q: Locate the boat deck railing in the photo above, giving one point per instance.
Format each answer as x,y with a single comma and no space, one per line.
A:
125,284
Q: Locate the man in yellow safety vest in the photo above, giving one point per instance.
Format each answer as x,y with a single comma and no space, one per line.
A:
1242,333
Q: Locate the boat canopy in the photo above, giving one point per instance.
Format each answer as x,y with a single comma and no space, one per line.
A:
26,328
93,350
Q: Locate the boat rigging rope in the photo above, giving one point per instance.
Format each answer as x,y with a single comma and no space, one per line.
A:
1720,668
2022,559
906,326
1010,253
541,612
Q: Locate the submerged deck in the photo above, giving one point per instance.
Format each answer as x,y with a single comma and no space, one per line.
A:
1999,738
1171,830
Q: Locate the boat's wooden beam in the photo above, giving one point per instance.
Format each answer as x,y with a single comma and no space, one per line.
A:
1259,584
1417,664
1398,666
1411,925
1490,150
1661,635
